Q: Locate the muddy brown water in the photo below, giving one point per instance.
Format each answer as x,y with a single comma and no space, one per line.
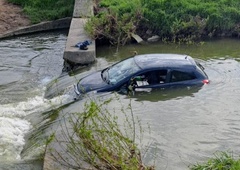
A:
187,125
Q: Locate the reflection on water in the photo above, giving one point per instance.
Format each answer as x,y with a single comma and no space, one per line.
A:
215,49
156,95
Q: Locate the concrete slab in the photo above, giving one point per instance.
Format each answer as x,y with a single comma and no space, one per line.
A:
137,38
77,34
83,8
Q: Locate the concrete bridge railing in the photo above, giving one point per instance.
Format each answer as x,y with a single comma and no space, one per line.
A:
74,56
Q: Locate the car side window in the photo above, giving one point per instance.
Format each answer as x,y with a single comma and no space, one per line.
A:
177,76
162,75
153,77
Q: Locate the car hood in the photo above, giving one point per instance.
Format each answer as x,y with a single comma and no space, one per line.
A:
92,82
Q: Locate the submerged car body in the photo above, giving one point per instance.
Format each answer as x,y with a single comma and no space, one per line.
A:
145,71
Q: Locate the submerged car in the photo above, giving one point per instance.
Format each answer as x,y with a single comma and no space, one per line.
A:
146,71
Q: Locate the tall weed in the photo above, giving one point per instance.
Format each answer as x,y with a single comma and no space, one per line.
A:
100,138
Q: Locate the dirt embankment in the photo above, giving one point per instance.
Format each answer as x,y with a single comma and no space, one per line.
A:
11,17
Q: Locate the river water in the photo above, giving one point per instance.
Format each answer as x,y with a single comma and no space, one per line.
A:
187,125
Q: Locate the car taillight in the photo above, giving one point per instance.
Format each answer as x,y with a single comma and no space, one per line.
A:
206,81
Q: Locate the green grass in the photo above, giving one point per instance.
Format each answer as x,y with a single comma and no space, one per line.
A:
46,10
221,161
175,20
219,15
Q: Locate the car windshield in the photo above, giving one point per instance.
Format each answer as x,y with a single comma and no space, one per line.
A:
119,71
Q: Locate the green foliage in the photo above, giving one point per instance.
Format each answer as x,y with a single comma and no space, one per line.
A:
102,140
222,161
176,20
115,20
45,10
219,16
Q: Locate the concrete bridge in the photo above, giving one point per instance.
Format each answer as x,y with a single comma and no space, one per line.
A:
74,56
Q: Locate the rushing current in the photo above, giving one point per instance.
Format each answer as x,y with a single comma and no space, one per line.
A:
27,64
187,126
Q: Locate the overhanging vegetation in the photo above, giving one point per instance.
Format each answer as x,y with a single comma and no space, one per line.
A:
99,138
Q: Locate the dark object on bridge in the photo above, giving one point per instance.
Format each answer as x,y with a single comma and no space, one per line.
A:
145,72
83,45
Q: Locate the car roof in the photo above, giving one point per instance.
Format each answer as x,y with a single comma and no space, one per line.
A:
146,61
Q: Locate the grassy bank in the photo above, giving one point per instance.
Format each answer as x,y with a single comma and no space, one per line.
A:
175,20
45,10
221,161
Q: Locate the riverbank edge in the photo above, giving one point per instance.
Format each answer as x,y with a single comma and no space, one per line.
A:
59,24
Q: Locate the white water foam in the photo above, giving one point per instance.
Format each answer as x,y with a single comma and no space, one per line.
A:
12,132
14,124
